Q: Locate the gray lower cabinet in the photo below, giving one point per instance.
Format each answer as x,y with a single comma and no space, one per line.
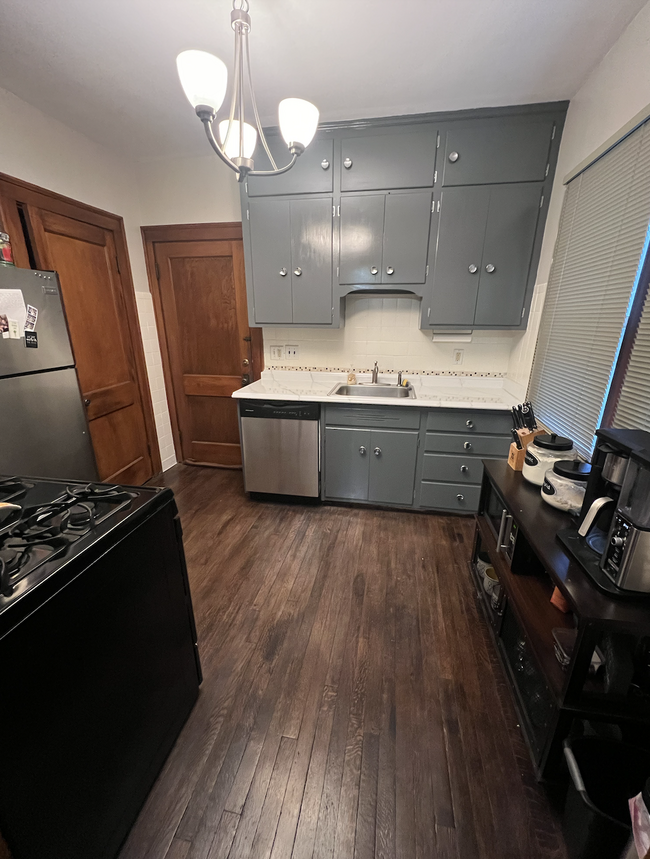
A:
484,247
402,158
291,257
375,465
384,238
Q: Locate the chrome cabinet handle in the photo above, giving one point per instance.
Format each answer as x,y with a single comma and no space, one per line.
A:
390,269
489,268
502,528
283,272
347,163
507,528
374,269
377,451
468,445
460,497
472,269
362,450
325,164
469,424
453,157
464,469
297,272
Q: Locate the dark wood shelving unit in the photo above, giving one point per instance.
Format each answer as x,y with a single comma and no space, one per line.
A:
549,698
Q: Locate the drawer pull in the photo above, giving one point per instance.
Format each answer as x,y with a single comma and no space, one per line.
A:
362,450
377,451
347,163
469,424
297,271
468,445
283,272
460,497
374,269
464,469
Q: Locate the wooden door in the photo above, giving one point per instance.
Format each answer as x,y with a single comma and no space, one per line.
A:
85,257
201,305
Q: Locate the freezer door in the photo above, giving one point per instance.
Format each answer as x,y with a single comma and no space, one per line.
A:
43,429
40,290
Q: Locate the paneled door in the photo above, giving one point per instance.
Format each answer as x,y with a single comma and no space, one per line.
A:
85,257
209,349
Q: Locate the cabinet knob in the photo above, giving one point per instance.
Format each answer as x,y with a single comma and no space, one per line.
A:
325,164
374,269
347,163
86,402
489,268
362,450
472,269
464,469
469,424
460,497
283,272
468,445
390,269
453,157
377,451
297,271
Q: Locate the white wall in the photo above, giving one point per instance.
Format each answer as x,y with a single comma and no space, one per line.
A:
39,149
616,90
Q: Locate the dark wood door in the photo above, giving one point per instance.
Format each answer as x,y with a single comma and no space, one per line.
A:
85,257
209,346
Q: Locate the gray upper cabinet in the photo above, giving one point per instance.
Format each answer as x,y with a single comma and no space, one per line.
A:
384,238
485,244
291,255
311,174
403,158
484,152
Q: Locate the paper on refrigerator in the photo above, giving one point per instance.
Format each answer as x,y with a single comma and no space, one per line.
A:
12,306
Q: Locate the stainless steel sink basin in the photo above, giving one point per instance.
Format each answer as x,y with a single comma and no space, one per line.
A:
361,390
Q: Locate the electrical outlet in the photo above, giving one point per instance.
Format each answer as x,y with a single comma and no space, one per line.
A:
277,353
458,356
291,351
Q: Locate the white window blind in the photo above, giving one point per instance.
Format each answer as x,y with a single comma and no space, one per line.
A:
633,410
600,241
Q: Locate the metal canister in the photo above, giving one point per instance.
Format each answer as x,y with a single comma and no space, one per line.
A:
6,254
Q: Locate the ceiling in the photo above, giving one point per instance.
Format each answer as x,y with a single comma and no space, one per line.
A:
106,67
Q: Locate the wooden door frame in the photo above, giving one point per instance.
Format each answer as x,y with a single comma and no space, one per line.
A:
14,192
152,235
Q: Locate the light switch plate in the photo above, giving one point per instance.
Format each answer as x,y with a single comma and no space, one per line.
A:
277,353
291,351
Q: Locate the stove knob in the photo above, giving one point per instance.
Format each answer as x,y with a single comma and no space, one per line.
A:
618,541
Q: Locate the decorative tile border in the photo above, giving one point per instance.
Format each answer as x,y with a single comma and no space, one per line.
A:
384,370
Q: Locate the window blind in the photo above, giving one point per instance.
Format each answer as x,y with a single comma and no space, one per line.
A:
601,238
633,410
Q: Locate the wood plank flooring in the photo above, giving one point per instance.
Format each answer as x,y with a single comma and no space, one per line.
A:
352,705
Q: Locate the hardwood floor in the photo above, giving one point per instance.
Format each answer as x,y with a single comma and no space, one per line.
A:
352,705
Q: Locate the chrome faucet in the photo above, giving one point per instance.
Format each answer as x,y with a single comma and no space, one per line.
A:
399,379
375,373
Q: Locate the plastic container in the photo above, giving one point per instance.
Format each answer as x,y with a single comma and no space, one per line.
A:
544,451
565,485
604,775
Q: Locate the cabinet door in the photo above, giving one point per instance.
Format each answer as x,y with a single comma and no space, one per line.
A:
393,456
311,261
509,237
402,159
457,266
270,225
309,175
489,151
347,454
406,237
362,229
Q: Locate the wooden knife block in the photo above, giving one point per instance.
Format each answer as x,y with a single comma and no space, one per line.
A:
516,457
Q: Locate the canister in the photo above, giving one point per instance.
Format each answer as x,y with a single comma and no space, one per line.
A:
545,450
565,485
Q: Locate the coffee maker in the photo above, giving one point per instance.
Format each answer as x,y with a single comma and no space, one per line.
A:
612,540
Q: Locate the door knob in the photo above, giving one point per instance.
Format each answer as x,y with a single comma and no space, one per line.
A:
245,362
297,271
468,445
374,269
390,269
283,272
489,268
347,163
377,451
325,164
362,450
464,469
472,269
453,157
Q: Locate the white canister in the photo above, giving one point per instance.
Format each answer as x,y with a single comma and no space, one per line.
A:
542,453
565,485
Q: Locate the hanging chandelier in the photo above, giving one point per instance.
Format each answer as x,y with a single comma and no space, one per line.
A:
204,78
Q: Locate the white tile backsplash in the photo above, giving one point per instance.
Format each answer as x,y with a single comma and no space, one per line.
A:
387,330
156,379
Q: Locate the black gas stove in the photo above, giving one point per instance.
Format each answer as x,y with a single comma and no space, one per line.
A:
100,659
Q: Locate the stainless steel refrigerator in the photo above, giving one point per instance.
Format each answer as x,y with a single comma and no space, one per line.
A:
43,426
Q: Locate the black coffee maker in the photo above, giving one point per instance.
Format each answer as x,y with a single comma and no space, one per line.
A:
594,543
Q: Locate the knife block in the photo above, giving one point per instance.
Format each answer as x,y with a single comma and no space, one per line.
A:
516,457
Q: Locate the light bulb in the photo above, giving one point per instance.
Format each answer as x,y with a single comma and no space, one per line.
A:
232,147
298,120
204,78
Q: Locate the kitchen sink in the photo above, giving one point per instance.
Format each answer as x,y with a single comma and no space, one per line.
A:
361,390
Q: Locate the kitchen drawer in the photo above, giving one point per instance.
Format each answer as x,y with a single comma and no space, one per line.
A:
479,422
457,469
468,444
405,417
450,496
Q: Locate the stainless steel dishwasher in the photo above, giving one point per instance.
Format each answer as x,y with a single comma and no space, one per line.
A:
280,447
